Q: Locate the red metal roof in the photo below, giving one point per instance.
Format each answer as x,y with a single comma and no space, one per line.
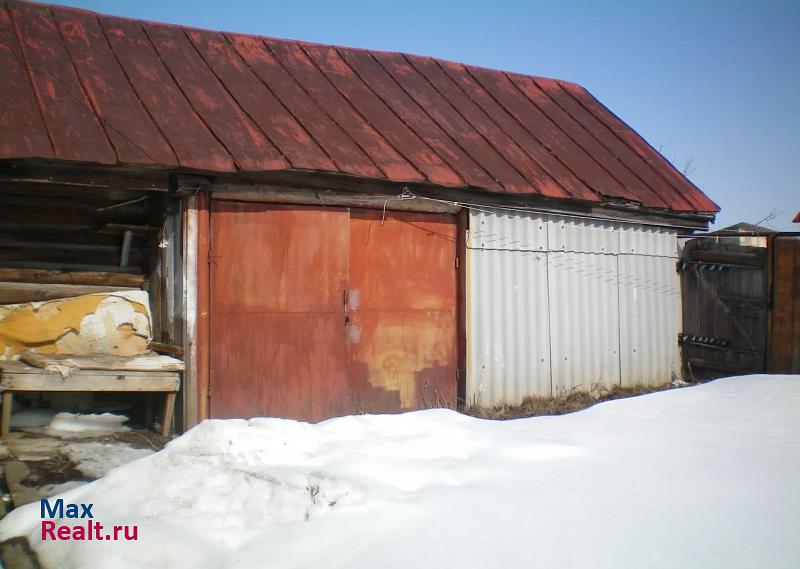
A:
79,86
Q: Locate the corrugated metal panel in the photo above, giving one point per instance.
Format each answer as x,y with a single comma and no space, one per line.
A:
584,320
558,303
508,349
650,305
650,319
171,96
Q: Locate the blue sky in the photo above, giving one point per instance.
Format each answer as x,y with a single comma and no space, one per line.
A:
715,84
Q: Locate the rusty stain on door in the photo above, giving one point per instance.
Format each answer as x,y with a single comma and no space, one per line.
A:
401,337
277,276
319,312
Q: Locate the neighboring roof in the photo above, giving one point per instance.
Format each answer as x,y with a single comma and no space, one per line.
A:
744,227
78,86
796,218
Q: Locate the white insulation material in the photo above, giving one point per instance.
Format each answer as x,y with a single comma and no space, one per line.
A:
556,303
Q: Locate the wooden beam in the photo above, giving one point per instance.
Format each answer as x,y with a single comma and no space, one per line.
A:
755,259
340,199
67,266
47,276
122,228
18,293
203,306
90,380
190,389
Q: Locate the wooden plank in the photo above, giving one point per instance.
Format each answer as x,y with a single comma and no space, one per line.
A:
292,57
189,138
90,380
570,185
64,257
68,266
450,121
22,130
754,259
721,365
122,228
74,128
136,138
203,306
244,141
259,103
415,117
190,291
782,307
16,293
381,117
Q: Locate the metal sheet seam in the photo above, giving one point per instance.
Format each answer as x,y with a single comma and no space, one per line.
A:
609,254
549,305
619,312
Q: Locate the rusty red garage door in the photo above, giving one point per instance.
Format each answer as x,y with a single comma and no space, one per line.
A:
318,312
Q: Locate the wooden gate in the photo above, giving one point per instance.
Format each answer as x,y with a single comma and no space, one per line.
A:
319,312
741,312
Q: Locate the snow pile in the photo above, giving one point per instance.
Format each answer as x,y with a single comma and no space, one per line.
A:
95,459
699,477
86,425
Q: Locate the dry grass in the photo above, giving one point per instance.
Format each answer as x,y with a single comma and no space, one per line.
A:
568,402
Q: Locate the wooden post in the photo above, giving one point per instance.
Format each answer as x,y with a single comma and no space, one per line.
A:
190,390
169,410
203,306
5,427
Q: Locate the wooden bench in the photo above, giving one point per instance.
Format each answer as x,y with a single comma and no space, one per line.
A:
16,377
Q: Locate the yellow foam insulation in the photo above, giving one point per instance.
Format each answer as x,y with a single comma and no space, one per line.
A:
116,323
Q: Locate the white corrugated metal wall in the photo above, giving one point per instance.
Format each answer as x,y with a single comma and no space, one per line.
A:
556,303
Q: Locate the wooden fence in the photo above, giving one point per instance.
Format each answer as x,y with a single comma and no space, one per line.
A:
741,307
783,355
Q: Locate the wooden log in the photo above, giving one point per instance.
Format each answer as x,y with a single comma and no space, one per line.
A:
121,228
168,349
18,293
94,278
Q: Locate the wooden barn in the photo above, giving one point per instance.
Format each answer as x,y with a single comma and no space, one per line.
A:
302,215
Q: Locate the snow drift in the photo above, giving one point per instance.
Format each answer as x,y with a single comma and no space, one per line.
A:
698,477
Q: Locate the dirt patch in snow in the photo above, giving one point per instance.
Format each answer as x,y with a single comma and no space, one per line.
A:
568,402
57,469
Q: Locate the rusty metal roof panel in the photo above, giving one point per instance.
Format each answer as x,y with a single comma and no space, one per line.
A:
22,130
108,90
